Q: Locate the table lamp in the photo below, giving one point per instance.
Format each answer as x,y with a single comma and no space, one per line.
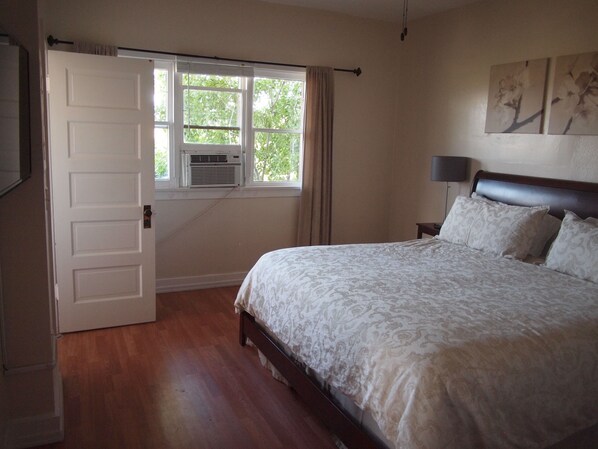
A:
448,169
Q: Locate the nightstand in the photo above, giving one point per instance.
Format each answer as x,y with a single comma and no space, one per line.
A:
427,228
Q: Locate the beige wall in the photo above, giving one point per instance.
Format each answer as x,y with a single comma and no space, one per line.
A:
228,238
444,76
236,232
31,381
23,254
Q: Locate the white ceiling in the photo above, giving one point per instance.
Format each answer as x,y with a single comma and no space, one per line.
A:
391,10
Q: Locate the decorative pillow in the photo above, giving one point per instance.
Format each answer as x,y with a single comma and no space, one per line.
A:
575,250
457,225
492,227
547,231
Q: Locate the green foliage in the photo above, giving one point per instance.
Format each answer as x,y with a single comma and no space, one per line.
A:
161,165
276,156
277,105
160,95
220,108
207,108
161,152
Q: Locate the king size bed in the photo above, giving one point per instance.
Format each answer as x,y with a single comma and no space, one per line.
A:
486,337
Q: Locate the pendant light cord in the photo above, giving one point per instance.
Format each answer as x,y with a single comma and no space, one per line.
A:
405,10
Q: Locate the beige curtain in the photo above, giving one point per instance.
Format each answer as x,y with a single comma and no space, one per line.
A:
315,208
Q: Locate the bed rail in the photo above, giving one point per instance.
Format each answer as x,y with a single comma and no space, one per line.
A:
319,402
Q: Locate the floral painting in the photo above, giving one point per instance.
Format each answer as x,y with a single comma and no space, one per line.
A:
516,97
575,96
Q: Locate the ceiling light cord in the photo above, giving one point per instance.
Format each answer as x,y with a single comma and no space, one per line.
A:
405,10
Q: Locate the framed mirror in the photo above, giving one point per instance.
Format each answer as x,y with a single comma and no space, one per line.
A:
15,147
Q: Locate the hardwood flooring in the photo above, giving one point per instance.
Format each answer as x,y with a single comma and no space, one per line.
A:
181,382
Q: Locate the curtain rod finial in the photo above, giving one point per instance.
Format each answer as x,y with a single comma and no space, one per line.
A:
357,71
51,40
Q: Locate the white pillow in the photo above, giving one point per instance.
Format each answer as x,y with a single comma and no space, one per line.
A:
547,231
575,249
492,227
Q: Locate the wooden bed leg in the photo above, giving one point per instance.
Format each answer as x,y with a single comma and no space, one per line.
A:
242,336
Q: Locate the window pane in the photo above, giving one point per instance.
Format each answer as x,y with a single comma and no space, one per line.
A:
276,156
207,108
212,136
161,153
160,95
225,82
277,104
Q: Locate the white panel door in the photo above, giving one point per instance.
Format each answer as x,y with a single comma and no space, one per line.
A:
102,170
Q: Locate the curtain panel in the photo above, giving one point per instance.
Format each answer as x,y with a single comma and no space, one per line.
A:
315,209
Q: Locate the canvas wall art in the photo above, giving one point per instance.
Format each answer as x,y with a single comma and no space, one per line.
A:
574,105
516,97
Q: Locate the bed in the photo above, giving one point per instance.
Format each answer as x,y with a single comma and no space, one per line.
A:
444,342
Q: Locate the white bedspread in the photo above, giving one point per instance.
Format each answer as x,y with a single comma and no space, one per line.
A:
445,346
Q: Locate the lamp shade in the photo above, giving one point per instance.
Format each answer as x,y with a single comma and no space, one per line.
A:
449,168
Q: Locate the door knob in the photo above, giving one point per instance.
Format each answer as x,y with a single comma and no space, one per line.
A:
147,216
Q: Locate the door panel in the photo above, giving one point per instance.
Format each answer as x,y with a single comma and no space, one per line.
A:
101,155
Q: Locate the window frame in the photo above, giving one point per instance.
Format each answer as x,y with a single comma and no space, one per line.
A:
185,88
291,75
175,125
173,168
183,146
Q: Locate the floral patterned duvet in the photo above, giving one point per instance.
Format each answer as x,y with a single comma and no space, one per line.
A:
445,346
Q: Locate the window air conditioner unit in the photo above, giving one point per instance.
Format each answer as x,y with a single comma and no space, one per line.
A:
203,168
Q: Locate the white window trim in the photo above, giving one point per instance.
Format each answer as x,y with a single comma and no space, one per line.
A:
171,188
172,181
187,193
297,75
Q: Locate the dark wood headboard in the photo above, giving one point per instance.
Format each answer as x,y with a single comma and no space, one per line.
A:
559,194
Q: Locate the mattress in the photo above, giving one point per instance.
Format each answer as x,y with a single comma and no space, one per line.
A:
443,345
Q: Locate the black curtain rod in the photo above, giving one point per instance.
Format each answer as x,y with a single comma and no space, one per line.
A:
53,41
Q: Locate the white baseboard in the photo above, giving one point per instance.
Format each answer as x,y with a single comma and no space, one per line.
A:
38,430
199,282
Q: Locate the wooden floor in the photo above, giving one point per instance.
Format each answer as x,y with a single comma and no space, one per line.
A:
181,382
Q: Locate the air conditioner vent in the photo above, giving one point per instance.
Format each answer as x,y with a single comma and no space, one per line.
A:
209,158
214,175
212,169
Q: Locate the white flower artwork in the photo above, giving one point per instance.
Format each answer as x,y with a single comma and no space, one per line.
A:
516,96
574,105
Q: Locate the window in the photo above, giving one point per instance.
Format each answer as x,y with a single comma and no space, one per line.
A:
163,124
212,109
277,131
257,113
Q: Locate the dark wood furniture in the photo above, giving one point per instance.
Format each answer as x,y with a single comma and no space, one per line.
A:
579,197
427,228
324,407
559,194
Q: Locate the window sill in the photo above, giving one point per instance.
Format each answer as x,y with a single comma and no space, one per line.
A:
224,192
